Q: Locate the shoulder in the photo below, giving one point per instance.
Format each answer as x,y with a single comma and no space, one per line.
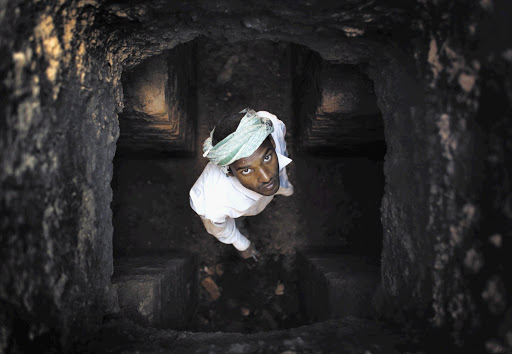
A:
211,176
208,196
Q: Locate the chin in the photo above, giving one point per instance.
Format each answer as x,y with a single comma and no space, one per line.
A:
267,193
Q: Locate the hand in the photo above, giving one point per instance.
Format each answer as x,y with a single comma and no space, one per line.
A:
250,252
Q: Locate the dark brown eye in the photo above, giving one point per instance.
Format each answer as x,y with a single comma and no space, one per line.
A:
268,158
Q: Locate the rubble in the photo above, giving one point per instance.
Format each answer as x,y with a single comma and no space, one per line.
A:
209,284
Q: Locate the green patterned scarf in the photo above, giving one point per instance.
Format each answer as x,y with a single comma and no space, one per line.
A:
247,138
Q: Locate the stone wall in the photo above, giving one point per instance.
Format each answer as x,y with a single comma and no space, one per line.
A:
443,257
442,80
58,135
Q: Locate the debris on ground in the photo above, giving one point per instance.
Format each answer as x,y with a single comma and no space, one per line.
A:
245,311
219,269
279,289
211,287
209,270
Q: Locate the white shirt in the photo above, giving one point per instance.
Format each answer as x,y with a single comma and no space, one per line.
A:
219,199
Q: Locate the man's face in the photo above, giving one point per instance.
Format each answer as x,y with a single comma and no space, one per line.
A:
260,171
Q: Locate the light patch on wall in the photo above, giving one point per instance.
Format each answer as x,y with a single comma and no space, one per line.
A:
467,81
20,60
146,305
474,260
24,85
132,13
333,102
352,31
496,240
494,295
507,55
444,132
487,4
457,232
439,313
49,46
148,89
48,218
3,6
227,71
80,67
27,110
53,160
35,86
28,162
83,3
69,28
457,62
87,228
433,59
368,18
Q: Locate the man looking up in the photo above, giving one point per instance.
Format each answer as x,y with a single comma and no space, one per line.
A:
247,167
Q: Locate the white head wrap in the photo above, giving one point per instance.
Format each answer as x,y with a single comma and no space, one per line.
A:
243,142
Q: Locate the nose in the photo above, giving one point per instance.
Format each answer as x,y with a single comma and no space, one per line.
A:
264,176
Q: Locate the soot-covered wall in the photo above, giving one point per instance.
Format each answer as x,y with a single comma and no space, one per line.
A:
441,73
441,213
58,134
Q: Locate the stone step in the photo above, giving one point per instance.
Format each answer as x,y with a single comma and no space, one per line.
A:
337,285
158,292
345,335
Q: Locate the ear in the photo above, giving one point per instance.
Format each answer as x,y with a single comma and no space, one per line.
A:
230,173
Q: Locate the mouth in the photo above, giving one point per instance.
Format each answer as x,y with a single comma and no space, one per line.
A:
269,186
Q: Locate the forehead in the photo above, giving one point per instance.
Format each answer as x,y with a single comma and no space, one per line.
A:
256,156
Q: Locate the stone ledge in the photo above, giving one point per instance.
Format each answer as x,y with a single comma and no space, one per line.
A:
337,108
347,335
156,291
337,285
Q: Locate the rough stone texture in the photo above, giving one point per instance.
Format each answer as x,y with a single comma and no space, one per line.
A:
439,206
156,291
428,84
160,109
336,107
334,285
145,90
441,73
58,130
347,335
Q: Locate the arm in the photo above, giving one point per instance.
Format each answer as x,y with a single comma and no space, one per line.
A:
226,232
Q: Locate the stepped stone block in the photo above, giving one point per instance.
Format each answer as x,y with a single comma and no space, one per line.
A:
156,291
337,108
159,98
336,285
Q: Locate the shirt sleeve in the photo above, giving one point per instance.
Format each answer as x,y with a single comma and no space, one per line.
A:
227,232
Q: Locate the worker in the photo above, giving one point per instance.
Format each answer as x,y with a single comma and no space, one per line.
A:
247,168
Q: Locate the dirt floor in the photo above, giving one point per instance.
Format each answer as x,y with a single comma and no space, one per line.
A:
336,202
